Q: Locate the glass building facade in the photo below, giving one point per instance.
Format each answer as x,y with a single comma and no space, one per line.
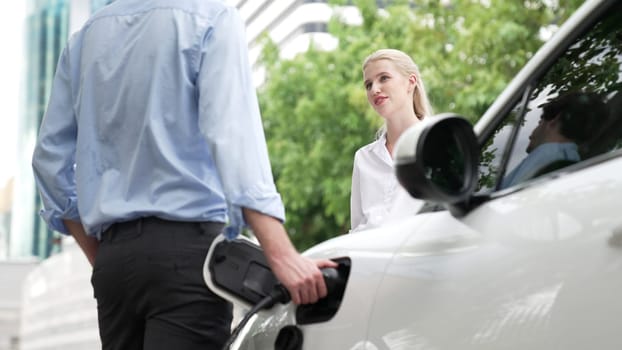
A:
48,26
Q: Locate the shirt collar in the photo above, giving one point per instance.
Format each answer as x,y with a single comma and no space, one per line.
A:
379,148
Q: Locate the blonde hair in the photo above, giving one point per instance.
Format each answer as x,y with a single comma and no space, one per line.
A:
406,66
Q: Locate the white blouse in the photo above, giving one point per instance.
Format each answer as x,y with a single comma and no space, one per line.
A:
376,194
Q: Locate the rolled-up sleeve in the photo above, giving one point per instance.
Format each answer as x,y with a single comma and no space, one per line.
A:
230,120
54,154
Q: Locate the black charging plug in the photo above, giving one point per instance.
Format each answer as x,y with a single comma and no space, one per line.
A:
280,294
240,268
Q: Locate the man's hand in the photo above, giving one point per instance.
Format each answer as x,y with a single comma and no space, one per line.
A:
87,243
300,275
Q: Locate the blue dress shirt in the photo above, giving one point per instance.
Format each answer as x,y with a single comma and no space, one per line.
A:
541,156
153,113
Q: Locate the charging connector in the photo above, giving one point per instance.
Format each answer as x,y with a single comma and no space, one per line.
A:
279,294
238,270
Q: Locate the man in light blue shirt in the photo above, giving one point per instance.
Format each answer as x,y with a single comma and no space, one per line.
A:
151,141
566,121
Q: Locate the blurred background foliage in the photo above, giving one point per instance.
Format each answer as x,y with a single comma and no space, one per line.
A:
315,109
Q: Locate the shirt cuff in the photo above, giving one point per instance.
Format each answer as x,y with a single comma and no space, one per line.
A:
269,205
54,218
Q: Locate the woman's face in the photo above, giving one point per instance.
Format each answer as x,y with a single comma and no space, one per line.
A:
389,92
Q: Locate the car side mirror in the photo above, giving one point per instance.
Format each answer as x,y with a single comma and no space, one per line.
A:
437,159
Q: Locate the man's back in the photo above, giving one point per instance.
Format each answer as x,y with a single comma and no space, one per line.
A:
151,86
137,101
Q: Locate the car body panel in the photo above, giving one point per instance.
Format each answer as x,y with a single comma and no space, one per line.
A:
482,279
436,282
370,252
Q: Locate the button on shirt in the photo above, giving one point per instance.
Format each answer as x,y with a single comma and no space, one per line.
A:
375,189
153,113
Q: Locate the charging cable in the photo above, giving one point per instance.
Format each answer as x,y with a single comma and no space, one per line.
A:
278,294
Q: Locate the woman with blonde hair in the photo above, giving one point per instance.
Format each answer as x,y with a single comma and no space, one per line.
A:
396,92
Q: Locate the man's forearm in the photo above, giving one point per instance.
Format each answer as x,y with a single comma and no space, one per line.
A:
271,235
87,243
300,275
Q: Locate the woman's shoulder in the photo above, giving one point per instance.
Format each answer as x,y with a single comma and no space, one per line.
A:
372,155
370,147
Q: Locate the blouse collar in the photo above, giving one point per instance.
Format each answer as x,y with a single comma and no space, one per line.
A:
379,148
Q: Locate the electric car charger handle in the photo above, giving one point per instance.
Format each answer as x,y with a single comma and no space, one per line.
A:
331,279
334,282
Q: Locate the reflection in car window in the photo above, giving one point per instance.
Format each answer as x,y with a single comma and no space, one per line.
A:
581,92
553,133
492,152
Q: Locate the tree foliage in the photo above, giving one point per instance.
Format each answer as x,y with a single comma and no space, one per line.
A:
315,108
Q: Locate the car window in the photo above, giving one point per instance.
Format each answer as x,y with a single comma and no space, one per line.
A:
493,151
571,114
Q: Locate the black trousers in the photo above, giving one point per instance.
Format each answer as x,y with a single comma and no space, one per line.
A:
149,286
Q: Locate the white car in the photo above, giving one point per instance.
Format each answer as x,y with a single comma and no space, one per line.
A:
535,264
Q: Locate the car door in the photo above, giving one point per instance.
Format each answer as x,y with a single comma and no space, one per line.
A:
537,265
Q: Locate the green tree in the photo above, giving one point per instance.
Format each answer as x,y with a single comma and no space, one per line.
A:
315,107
